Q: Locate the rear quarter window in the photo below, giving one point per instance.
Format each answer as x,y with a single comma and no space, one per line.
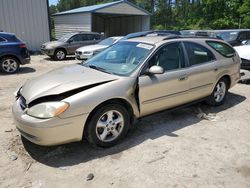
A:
222,48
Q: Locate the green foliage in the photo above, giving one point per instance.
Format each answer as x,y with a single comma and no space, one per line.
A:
183,14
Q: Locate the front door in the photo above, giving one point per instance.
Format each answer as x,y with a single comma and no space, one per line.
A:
161,91
75,43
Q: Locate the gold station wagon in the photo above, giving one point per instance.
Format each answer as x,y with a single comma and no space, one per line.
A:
100,99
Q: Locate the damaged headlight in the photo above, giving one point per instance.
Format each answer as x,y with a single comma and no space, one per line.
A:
48,109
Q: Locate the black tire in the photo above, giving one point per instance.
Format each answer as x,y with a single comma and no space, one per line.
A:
9,65
91,132
212,98
60,54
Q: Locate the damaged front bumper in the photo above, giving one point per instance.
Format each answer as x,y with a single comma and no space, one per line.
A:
53,131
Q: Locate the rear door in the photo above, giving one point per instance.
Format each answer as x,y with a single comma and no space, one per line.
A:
160,91
202,70
88,39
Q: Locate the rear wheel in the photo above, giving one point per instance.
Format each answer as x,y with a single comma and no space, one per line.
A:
108,125
219,93
9,65
60,54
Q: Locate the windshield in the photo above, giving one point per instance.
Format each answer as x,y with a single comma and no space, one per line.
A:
107,42
65,38
228,35
121,59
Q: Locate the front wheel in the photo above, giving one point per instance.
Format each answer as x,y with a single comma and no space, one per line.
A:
219,93
60,54
108,125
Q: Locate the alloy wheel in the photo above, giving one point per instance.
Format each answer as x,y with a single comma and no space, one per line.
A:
220,91
9,65
109,126
60,55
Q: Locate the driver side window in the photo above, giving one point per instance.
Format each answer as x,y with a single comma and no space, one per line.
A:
75,38
169,57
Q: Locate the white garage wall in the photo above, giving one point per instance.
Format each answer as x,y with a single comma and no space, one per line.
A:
71,23
28,19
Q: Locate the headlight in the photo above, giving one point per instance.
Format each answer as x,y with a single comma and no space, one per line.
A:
17,92
48,109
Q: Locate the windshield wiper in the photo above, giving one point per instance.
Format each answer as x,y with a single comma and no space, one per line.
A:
99,69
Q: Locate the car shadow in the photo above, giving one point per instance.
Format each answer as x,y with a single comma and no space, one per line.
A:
245,81
165,123
22,70
68,58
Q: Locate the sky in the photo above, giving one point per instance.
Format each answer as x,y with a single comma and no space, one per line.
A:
53,2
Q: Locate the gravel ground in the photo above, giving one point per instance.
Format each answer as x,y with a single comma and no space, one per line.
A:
198,146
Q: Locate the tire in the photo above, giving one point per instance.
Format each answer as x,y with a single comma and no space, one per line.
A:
108,125
60,54
9,65
219,93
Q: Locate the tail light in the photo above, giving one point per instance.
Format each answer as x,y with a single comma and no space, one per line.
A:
22,46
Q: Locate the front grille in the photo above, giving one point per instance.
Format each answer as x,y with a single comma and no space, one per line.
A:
23,104
78,53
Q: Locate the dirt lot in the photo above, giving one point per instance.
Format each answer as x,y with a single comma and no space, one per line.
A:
199,146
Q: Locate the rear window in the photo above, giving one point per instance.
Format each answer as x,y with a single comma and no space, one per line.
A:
222,48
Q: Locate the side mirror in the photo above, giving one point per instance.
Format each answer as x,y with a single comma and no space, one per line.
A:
244,42
156,70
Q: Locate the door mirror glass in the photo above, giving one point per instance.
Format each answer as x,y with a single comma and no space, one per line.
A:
156,70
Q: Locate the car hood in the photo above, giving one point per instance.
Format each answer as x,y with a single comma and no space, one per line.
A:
243,51
53,44
91,48
63,80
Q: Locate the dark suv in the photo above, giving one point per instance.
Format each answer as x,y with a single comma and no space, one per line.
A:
68,44
234,37
13,53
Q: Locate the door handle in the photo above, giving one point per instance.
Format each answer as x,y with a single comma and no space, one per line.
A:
182,78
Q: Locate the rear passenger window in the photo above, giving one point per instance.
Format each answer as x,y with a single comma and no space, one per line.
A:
90,37
198,54
97,37
222,48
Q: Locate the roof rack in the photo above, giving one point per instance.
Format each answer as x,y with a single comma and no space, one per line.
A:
189,36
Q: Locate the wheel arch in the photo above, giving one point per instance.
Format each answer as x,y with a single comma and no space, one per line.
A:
10,55
228,78
61,48
121,101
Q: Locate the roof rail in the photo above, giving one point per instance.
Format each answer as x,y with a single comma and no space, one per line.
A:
172,36
189,36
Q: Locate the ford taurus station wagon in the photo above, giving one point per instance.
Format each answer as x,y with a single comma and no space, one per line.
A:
100,99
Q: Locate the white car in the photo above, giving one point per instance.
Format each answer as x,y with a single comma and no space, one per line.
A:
244,53
87,52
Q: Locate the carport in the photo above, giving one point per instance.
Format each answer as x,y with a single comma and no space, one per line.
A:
113,19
